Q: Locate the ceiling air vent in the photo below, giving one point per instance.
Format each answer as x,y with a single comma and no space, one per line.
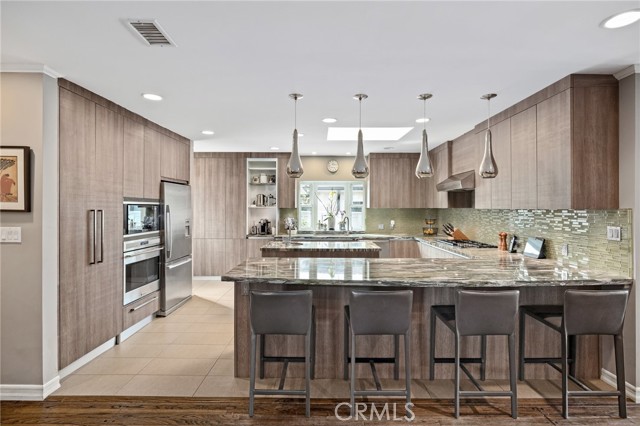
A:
151,32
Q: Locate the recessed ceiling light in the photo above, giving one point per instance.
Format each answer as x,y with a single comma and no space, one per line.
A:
389,147
622,19
369,133
207,132
274,148
152,97
313,153
348,153
329,120
423,120
300,135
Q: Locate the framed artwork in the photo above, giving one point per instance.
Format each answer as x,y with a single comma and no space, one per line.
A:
15,184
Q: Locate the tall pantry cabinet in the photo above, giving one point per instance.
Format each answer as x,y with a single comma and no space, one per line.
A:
91,185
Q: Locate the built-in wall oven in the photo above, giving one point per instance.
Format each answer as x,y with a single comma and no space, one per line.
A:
142,266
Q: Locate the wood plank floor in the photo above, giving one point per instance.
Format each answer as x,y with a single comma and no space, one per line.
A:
131,411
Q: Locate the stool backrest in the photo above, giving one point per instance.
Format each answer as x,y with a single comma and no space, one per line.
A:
486,312
594,311
280,312
380,312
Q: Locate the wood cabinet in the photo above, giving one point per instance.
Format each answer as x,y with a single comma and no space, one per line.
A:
136,311
133,159
463,154
91,187
524,190
286,185
393,183
152,163
441,160
501,184
175,156
404,249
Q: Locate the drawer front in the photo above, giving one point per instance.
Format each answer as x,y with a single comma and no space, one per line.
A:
140,309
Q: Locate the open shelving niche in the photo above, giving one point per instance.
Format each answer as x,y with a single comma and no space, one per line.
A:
255,168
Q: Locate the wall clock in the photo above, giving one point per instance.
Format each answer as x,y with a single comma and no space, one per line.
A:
332,166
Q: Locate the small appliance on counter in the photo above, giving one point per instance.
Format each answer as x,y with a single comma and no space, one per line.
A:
264,227
534,248
430,230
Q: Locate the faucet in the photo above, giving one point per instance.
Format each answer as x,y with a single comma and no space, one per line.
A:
347,224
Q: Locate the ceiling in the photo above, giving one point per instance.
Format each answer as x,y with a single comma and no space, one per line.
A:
236,62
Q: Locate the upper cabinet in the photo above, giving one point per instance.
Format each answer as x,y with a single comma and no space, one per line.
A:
441,160
557,149
393,183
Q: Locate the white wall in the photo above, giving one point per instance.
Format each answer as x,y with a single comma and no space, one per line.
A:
29,271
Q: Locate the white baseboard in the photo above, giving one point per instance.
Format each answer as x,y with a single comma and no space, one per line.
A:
29,392
134,328
87,358
632,392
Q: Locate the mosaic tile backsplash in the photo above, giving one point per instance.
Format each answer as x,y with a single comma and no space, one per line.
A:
583,230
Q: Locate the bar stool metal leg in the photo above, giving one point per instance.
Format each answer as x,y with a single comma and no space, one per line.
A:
252,374
432,343
353,375
345,374
512,376
308,372
396,357
483,357
457,378
521,334
619,351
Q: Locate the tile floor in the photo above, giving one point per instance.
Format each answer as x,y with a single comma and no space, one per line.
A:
190,353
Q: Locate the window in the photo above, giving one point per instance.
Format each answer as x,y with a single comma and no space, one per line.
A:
318,201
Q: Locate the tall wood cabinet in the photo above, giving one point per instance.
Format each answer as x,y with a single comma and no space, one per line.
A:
393,183
91,187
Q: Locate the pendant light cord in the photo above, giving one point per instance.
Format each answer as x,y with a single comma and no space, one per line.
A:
489,113
360,105
424,114
295,112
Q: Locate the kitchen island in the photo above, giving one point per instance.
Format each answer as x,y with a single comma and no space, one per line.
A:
434,282
341,249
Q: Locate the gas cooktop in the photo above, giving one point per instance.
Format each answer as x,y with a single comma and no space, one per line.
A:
466,244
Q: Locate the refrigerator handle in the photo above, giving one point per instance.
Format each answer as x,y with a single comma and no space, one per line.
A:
168,235
187,228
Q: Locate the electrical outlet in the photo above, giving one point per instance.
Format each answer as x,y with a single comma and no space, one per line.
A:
613,233
11,235
392,224
380,226
565,249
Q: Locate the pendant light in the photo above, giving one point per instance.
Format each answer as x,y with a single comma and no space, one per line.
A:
294,166
360,168
424,169
488,167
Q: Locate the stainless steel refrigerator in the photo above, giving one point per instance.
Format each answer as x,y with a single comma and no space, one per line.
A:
176,285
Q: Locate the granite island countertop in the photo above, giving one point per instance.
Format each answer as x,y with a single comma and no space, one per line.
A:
341,246
499,270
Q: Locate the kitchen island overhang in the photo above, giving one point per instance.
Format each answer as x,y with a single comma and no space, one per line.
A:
434,282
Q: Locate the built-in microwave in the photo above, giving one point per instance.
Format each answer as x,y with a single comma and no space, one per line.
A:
141,218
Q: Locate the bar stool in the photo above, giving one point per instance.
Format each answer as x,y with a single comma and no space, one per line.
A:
284,313
543,314
379,313
484,313
594,312
447,314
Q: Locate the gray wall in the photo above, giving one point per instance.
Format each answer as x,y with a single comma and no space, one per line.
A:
630,198
28,271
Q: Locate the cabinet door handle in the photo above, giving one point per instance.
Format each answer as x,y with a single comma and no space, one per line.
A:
92,237
101,236
144,304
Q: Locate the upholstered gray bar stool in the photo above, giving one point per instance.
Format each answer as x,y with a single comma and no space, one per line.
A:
447,314
485,313
379,313
284,313
549,316
594,312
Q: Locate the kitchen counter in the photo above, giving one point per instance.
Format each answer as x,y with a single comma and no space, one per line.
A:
341,249
433,282
500,269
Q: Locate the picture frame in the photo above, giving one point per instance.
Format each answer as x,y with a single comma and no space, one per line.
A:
15,178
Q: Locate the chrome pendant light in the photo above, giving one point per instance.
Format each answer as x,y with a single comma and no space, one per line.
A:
294,166
424,169
488,167
360,168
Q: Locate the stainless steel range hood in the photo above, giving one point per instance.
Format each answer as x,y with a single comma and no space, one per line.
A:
465,181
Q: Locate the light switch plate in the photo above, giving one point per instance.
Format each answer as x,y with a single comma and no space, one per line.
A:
565,249
381,226
11,234
614,233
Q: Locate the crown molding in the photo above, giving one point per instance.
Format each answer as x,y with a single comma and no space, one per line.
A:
30,68
633,69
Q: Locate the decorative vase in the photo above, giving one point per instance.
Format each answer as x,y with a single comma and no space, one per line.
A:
331,223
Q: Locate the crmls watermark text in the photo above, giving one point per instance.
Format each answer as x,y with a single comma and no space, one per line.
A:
371,412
